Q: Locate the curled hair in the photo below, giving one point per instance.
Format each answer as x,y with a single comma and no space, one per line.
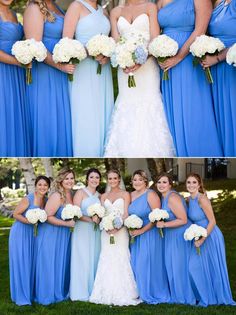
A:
199,180
57,183
117,172
43,9
92,170
143,175
45,178
170,178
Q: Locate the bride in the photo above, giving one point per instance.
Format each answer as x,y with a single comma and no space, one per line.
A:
139,126
114,283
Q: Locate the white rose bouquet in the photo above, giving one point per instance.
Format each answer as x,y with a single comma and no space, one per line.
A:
96,210
100,45
129,52
133,222
205,45
231,55
26,51
71,212
157,215
163,47
195,232
69,50
34,216
110,222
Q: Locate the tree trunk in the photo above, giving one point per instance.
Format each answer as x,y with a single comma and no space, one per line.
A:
156,167
28,171
47,163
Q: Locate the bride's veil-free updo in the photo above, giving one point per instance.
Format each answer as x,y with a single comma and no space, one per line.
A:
121,185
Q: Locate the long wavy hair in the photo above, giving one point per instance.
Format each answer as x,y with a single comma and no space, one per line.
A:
44,10
57,183
199,180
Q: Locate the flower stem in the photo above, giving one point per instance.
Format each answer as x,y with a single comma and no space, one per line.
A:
161,232
112,239
165,75
208,75
99,68
28,76
35,229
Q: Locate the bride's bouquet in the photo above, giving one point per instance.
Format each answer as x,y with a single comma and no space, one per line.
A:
133,222
129,52
100,45
71,212
205,45
26,51
231,55
163,47
195,232
34,216
96,210
158,215
110,222
69,50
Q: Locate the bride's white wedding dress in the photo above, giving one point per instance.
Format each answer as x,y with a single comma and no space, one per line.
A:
114,283
139,127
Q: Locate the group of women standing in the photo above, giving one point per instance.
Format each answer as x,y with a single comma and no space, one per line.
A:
47,118
83,265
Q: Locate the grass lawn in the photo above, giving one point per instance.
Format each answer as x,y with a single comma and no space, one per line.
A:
226,220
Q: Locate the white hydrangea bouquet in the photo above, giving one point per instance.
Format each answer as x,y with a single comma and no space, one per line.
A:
205,45
96,209
71,212
163,47
110,222
195,232
133,222
231,55
26,51
100,45
34,216
69,50
129,52
157,215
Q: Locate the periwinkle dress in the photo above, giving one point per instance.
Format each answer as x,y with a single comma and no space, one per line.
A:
52,252
85,251
21,259
91,94
147,257
223,26
177,252
48,101
208,271
187,95
14,139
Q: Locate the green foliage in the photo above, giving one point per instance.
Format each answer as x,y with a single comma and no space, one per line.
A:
19,6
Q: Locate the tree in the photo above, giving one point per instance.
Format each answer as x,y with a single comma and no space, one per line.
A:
28,171
156,167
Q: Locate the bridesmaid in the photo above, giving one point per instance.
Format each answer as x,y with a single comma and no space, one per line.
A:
86,242
208,271
188,103
53,244
48,95
13,119
147,252
91,94
223,26
21,244
177,250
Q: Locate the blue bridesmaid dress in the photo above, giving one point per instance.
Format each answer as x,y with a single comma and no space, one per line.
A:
14,139
147,257
208,271
187,95
48,102
85,251
52,253
223,26
177,252
91,94
21,259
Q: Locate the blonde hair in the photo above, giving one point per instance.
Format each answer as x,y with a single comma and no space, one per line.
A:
57,183
43,9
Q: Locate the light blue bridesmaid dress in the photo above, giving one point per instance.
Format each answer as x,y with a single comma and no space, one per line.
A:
14,139
177,252
21,259
91,94
85,251
223,26
208,271
147,257
187,95
48,102
52,255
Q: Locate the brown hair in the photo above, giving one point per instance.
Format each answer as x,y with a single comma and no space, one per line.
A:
43,9
200,182
170,178
57,183
117,172
142,174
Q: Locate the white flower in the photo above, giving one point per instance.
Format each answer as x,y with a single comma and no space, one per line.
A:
70,211
107,222
27,50
206,45
101,44
67,49
194,232
96,209
158,215
231,55
35,215
163,46
133,222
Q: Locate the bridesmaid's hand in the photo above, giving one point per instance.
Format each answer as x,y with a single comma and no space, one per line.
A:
67,68
160,224
131,69
170,63
70,223
102,59
136,232
114,231
209,61
96,219
199,242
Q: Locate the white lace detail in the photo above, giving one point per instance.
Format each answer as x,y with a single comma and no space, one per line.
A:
114,283
139,127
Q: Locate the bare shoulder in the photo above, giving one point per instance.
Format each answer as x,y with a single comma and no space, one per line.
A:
75,5
104,196
125,194
79,192
55,197
151,7
152,194
116,12
174,197
203,199
33,9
